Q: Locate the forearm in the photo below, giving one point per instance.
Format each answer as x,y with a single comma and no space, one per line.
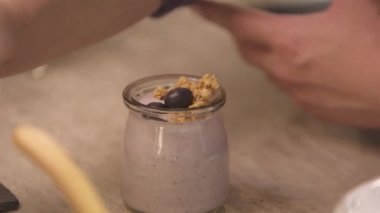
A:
45,29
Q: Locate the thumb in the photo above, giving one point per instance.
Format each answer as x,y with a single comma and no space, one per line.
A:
221,14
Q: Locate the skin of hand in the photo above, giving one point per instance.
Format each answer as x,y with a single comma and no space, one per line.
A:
33,32
327,62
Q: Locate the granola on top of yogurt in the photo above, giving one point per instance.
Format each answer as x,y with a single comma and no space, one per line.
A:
202,90
185,93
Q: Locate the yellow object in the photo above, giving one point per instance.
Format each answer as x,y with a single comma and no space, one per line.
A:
67,175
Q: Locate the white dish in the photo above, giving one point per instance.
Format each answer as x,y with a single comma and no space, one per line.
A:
365,198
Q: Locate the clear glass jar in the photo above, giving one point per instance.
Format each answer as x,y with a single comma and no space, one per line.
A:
173,167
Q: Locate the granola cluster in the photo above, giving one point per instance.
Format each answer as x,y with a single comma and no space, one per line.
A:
160,93
203,92
203,89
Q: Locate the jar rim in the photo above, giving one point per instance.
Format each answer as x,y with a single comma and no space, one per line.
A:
136,106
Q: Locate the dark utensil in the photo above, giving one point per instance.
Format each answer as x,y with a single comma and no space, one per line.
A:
8,201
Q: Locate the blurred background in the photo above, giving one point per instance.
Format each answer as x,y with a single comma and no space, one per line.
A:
78,99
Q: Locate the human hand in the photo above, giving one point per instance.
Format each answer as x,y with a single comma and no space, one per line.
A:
327,62
7,31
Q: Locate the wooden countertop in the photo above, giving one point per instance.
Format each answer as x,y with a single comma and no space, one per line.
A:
281,160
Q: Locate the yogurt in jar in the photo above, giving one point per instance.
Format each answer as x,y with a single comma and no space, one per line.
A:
174,167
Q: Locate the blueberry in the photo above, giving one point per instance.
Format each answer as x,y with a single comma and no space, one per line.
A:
179,98
157,105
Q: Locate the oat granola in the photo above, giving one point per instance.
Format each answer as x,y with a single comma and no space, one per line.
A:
160,93
203,91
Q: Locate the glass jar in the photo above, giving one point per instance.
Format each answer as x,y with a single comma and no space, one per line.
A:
173,167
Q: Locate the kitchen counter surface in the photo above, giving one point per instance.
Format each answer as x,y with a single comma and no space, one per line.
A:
282,161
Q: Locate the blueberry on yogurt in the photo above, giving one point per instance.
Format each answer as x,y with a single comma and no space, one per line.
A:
157,105
179,98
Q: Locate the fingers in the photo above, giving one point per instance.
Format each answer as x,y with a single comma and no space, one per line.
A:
254,53
246,24
221,14
258,34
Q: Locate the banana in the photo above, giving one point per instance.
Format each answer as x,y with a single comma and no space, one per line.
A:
69,178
